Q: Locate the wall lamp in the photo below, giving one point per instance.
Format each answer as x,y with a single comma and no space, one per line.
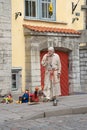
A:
73,20
17,14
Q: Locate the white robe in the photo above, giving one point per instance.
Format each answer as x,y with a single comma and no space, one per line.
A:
51,82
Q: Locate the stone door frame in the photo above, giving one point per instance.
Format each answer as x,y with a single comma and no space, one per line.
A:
36,42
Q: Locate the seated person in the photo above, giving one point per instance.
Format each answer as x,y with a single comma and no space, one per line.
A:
35,96
7,99
25,97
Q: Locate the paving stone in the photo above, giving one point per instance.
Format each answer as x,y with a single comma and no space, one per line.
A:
19,116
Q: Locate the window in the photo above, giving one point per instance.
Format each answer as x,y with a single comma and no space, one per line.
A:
14,81
45,7
16,78
39,9
30,8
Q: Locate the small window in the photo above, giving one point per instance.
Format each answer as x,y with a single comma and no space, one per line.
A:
16,78
30,8
14,81
39,9
45,8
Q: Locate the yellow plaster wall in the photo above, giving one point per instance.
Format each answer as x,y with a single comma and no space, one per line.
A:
63,16
64,13
78,25
61,10
18,43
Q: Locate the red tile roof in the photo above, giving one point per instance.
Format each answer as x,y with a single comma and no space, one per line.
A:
51,29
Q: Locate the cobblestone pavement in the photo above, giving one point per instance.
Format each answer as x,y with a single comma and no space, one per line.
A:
67,122
69,114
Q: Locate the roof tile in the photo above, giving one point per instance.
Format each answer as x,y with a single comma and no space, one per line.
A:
51,29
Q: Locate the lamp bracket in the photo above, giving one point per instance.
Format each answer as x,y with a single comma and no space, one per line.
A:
17,14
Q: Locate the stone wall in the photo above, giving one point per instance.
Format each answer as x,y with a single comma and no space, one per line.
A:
83,68
61,42
5,46
32,64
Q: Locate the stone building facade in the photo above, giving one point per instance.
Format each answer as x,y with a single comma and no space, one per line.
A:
83,60
36,41
83,68
5,46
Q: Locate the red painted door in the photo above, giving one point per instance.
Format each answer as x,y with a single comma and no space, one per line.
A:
64,81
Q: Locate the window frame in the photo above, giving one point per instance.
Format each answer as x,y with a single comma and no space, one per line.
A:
16,75
30,17
17,71
39,13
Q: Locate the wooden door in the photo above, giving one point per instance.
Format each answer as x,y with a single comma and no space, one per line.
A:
64,81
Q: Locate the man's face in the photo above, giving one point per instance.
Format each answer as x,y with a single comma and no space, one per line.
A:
50,52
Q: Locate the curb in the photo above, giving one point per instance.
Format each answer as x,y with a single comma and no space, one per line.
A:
69,111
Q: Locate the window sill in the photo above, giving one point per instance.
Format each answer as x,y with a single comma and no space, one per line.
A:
36,20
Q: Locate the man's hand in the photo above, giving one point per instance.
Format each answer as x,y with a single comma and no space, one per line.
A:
58,75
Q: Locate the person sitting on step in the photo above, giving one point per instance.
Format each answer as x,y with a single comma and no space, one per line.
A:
25,97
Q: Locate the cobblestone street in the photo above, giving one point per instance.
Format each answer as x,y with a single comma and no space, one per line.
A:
68,122
69,114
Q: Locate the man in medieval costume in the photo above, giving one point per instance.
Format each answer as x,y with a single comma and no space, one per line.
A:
52,64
